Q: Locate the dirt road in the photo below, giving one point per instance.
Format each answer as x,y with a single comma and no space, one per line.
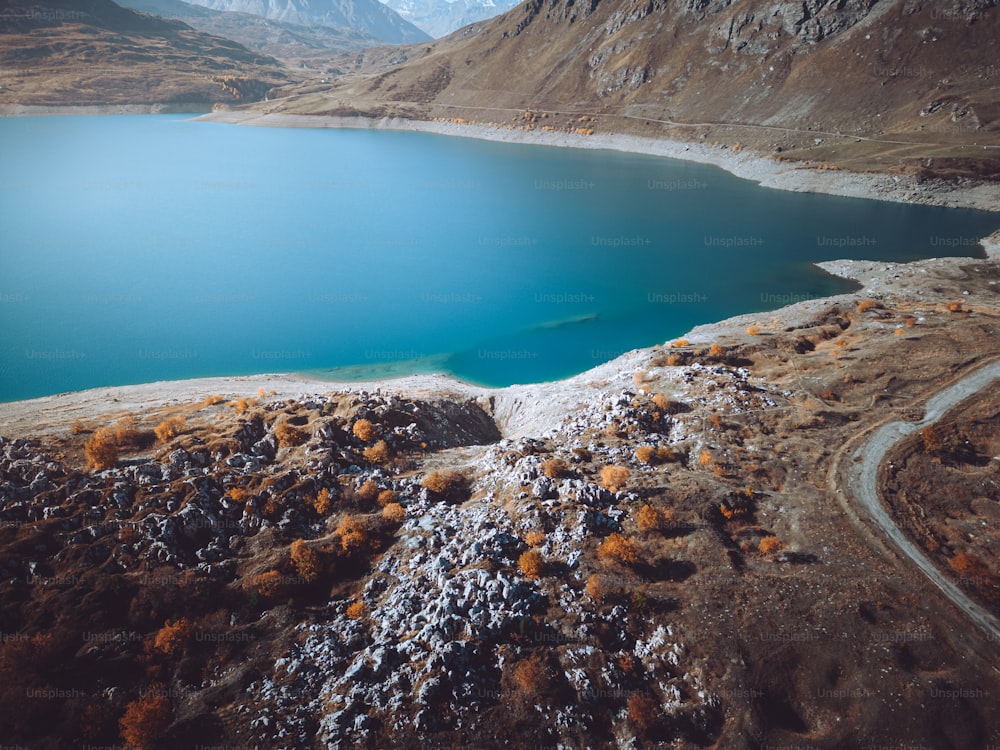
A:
862,484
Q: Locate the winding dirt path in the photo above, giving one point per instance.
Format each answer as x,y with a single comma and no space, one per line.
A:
862,483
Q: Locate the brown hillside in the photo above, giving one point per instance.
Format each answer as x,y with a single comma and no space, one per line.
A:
919,78
56,52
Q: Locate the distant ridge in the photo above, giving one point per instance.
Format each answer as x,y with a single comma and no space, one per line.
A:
367,16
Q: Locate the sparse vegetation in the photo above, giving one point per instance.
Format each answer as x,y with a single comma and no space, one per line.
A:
532,678
753,330
649,518
378,453
101,450
289,436
443,482
357,610
213,400
868,304
614,478
643,711
145,721
770,544
595,588
169,428
716,351
323,502
617,548
555,468
531,563
364,430
267,584
534,538
394,513
353,533
174,637
306,561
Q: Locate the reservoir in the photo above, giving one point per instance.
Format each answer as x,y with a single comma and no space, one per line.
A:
145,248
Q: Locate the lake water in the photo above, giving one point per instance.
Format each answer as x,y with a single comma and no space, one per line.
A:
143,248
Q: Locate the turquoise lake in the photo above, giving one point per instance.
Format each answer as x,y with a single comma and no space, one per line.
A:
144,248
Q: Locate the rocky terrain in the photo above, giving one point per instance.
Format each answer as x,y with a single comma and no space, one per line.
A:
647,555
59,53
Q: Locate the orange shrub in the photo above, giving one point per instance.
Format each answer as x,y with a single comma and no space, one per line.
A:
393,512
78,428
289,436
145,721
618,549
357,610
649,518
662,402
102,449
173,638
867,304
954,306
532,678
323,503
353,534
681,342
385,497
554,468
368,491
931,439
534,538
242,404
531,563
169,428
443,482
267,584
378,453
770,544
705,457
212,400
969,566
237,494
364,430
643,711
595,588
614,478
716,351
306,560
753,330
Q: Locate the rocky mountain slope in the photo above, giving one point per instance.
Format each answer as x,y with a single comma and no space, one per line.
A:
367,16
281,39
441,17
60,52
904,84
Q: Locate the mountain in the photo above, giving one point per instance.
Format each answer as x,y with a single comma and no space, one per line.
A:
441,17
94,52
288,41
919,80
367,16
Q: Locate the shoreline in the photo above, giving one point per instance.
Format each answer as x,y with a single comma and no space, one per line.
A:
758,168
524,405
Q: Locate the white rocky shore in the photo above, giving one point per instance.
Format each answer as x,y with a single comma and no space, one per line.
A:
747,164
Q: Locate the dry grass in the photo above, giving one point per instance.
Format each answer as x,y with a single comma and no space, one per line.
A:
555,468
289,436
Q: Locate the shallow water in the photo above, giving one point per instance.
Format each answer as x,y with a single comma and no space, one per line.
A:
143,248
